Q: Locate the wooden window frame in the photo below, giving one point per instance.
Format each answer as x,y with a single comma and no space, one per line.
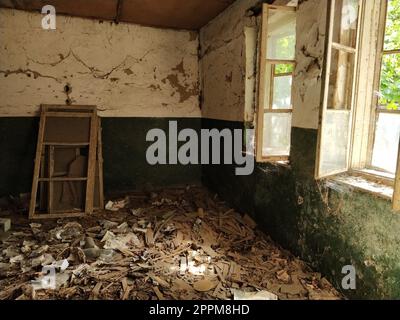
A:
330,46
94,161
376,110
263,61
366,103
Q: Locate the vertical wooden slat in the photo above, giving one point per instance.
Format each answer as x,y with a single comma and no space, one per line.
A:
396,191
262,84
91,165
100,163
51,183
38,157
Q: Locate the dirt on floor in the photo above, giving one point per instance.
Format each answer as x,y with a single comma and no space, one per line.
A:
181,243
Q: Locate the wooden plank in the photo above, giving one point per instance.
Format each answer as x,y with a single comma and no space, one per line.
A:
276,158
36,170
50,179
80,108
100,163
57,215
262,85
91,165
61,179
72,144
69,114
278,61
278,111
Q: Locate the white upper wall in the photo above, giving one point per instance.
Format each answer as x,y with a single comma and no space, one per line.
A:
223,62
126,70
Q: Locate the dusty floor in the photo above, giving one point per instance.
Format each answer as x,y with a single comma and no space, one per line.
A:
173,244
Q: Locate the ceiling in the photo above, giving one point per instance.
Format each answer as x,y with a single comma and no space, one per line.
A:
177,14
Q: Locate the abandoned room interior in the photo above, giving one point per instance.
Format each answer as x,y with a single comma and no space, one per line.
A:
199,150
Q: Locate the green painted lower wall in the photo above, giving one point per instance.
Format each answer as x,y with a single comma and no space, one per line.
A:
330,227
18,137
124,152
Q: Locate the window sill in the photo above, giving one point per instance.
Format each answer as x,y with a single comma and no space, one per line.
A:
362,184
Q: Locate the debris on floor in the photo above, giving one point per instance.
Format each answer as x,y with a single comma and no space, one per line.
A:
175,244
5,224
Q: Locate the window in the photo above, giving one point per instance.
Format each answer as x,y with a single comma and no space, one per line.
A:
386,135
360,123
335,129
277,61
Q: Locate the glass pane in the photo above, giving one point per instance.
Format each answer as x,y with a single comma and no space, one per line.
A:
282,92
281,38
392,33
341,80
386,142
334,145
283,68
389,95
277,130
345,22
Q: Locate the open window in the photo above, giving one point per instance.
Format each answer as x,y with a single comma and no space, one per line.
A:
338,99
360,120
277,62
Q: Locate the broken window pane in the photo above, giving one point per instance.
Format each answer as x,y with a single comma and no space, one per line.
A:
282,92
386,145
281,38
334,142
277,129
341,80
392,33
345,22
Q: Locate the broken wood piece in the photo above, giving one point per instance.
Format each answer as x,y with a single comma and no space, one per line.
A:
158,293
159,281
96,291
149,237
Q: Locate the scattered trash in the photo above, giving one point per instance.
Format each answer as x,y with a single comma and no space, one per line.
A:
116,205
178,243
260,295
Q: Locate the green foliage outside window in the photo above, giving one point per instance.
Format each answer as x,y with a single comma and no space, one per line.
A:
389,95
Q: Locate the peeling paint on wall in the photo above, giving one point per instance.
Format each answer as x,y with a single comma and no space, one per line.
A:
223,60
126,70
310,49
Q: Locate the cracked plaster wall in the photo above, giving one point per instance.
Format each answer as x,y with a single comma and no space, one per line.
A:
126,70
310,49
227,47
